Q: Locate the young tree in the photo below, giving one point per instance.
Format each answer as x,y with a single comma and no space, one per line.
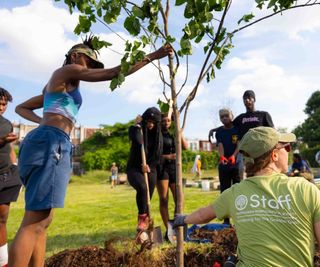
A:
149,22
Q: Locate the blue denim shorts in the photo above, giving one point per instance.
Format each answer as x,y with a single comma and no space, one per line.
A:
45,167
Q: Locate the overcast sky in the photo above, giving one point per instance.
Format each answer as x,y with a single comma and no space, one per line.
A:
278,59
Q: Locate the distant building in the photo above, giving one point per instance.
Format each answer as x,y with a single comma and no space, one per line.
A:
201,145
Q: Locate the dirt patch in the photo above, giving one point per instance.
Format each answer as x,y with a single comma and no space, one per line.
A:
223,244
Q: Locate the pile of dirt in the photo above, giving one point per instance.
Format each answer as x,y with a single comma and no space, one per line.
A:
224,243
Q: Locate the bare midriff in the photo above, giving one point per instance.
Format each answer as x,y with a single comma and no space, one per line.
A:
58,121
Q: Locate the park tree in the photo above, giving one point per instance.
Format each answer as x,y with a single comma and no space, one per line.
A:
150,23
109,144
308,133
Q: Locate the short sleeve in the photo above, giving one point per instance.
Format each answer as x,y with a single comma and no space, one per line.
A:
218,136
268,120
222,204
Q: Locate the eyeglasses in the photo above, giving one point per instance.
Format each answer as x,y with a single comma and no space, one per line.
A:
286,146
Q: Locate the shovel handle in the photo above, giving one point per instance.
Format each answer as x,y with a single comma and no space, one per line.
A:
146,179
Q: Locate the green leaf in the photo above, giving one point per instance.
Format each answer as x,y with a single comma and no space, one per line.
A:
246,18
121,78
208,16
163,106
136,45
180,2
145,40
170,39
125,67
186,47
212,74
138,12
132,25
109,18
128,46
114,83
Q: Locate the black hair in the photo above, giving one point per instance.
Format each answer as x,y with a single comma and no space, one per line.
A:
297,156
154,115
5,94
86,43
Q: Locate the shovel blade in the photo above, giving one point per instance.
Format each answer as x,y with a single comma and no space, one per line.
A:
172,233
157,237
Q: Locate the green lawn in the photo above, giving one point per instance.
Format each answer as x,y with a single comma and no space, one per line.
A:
94,212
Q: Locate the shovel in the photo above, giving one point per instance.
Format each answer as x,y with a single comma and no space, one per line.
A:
153,235
172,233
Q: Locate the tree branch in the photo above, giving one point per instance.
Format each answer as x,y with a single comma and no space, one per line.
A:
275,13
194,91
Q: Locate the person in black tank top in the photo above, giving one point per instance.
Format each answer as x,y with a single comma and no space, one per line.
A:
167,170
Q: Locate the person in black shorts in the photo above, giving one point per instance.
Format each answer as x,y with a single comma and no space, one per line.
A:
167,170
9,176
150,122
227,140
252,118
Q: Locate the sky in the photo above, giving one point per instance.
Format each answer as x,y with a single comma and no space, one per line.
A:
277,58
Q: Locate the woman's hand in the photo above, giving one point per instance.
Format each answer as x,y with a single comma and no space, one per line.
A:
163,51
138,119
145,168
10,137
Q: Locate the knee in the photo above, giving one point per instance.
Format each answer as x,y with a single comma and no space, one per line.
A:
42,226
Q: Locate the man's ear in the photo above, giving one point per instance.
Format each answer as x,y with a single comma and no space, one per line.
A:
275,155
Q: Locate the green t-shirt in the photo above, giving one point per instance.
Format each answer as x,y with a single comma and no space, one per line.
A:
274,217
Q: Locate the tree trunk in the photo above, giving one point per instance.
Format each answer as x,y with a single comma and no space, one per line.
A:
180,198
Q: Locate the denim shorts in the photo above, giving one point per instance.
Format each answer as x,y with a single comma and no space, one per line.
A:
45,167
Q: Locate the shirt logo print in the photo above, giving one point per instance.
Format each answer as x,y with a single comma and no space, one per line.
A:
241,202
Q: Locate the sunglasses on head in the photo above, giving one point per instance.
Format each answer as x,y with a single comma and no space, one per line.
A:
286,146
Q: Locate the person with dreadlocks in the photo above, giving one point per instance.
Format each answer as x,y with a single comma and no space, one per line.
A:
45,153
150,123
10,183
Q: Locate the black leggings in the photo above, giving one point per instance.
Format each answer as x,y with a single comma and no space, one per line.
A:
136,180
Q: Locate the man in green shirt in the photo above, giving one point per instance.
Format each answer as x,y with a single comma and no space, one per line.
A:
276,217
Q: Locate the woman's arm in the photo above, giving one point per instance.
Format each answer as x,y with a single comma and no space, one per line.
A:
184,142
13,156
78,72
26,109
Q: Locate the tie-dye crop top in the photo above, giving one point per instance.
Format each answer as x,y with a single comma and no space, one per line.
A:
66,104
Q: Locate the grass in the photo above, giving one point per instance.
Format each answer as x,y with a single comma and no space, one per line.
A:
94,212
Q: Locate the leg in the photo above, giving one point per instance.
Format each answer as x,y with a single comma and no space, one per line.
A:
173,188
163,188
4,211
28,247
224,178
136,180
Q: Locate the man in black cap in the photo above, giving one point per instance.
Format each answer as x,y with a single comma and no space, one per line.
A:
250,119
